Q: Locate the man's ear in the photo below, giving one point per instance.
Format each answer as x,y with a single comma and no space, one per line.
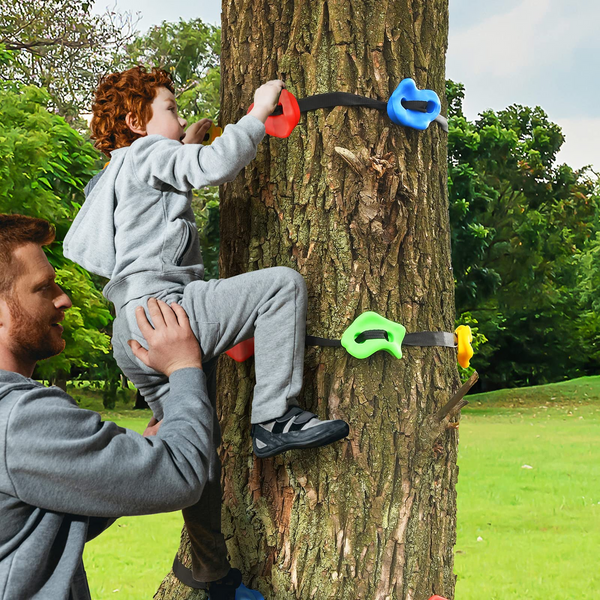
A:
132,122
4,313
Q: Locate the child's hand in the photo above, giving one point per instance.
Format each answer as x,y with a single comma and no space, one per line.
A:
195,133
266,99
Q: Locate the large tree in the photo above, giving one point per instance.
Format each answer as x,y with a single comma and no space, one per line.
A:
359,206
44,165
62,46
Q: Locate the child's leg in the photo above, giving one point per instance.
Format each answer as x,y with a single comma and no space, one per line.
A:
203,520
269,305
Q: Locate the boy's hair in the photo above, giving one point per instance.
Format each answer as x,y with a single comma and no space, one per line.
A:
15,231
117,94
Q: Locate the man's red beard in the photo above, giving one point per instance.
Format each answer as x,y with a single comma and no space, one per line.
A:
32,337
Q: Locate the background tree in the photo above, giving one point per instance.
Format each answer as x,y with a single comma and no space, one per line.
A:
190,51
61,46
359,207
44,165
520,222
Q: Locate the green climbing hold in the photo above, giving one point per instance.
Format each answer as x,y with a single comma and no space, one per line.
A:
387,336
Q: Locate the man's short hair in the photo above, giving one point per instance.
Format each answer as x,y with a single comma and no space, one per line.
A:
15,231
117,94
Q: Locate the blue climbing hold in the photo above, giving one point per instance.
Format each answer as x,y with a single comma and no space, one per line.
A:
407,90
243,593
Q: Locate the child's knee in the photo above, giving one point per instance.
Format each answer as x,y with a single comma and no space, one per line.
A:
290,277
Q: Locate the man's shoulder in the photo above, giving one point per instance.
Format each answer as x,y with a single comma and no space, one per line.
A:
18,389
13,382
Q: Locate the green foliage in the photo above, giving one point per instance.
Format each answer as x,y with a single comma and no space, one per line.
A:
190,52
62,46
44,164
206,208
519,225
527,532
6,56
478,341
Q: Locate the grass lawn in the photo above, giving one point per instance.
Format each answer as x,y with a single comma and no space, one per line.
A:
523,533
130,559
529,494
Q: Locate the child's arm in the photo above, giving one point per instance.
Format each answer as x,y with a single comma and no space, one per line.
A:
263,107
158,161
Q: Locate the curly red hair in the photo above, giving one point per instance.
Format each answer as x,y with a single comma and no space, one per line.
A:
118,94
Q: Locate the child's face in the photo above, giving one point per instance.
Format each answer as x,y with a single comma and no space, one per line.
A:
164,119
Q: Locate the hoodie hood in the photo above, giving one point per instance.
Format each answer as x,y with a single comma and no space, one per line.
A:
11,381
90,241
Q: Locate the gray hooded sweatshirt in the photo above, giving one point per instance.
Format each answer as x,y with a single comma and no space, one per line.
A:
65,475
137,227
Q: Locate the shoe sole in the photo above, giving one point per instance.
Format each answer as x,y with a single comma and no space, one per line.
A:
295,441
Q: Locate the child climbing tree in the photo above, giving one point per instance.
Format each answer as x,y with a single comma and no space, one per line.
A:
359,206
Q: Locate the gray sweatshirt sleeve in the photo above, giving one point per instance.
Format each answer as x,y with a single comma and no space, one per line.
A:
63,458
157,160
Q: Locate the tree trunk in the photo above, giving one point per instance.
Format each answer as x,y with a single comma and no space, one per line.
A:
359,206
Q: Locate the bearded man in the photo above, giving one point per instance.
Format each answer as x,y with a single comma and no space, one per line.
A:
66,475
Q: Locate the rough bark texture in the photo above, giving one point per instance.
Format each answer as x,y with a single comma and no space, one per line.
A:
359,206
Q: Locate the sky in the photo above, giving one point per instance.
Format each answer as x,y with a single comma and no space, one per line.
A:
531,52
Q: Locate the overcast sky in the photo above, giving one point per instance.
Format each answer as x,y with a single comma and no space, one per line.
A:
531,52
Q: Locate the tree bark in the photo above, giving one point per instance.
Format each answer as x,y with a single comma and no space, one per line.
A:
359,206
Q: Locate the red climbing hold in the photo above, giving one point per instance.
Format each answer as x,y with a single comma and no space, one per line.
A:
242,351
282,125
437,598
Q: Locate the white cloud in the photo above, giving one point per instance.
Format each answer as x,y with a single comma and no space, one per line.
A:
153,12
500,44
531,36
535,53
581,147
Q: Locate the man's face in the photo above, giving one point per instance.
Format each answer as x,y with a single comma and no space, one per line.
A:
164,119
29,326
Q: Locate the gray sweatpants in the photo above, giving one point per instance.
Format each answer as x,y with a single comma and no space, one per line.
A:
269,305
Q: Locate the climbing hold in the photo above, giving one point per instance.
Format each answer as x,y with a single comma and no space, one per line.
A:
211,134
243,593
371,332
407,91
242,351
360,344
464,337
437,598
282,124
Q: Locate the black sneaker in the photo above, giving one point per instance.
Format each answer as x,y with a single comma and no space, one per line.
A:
224,588
296,429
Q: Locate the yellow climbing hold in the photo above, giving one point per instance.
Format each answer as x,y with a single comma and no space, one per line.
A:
211,134
464,337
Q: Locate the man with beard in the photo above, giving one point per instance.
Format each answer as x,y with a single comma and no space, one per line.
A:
65,475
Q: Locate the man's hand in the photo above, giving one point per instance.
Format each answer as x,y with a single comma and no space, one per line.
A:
266,98
196,132
172,344
152,427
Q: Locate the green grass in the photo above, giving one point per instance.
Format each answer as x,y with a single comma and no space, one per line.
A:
130,559
539,527
576,391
